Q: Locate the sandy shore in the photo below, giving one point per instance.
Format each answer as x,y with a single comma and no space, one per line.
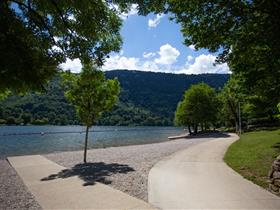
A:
123,168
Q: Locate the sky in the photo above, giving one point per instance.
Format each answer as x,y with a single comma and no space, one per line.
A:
155,43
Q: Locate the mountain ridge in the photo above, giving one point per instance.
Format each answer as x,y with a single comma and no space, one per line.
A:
146,98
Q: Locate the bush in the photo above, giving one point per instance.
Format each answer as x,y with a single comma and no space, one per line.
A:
2,122
42,121
11,121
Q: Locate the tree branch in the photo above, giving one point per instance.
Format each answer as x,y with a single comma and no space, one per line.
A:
61,16
41,19
29,8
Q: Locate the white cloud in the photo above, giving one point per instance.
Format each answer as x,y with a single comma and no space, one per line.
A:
55,48
149,55
168,55
202,64
74,66
130,63
150,66
132,11
152,23
71,17
189,58
121,62
192,47
205,64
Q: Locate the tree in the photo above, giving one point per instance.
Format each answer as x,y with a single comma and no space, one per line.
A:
91,94
36,36
244,33
232,94
181,116
198,107
255,110
278,107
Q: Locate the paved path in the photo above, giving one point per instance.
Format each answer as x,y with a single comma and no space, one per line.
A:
197,178
38,174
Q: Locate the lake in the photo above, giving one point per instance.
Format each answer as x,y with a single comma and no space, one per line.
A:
26,140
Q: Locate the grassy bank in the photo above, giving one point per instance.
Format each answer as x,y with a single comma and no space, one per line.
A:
253,154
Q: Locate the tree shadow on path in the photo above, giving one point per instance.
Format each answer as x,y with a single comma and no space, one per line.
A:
91,173
211,134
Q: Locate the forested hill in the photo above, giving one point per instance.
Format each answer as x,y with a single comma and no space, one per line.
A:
146,98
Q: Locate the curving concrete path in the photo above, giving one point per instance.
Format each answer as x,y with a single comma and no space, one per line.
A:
68,192
197,178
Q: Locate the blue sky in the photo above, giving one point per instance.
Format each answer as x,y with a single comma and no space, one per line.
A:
154,43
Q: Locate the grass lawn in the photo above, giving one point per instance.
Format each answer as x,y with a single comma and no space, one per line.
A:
253,154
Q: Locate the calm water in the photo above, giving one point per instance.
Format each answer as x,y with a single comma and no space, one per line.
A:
25,140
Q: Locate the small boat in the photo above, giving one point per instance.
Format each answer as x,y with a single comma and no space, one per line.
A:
178,137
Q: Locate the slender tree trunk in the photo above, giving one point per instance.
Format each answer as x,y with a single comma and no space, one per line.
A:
190,130
86,143
195,129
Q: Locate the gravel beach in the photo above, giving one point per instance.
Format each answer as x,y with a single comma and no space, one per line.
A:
13,193
124,168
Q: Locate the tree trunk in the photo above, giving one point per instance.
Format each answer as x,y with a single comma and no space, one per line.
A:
86,143
190,130
195,128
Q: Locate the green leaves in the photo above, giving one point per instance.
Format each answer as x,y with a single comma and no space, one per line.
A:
36,36
199,105
244,33
91,93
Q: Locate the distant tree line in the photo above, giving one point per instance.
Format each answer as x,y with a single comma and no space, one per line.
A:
203,108
146,98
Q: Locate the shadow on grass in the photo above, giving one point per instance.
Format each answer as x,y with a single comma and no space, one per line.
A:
277,146
91,173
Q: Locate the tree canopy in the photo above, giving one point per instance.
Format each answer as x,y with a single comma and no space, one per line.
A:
231,94
198,107
36,36
246,34
91,94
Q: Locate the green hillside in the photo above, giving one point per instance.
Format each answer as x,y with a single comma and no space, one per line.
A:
146,98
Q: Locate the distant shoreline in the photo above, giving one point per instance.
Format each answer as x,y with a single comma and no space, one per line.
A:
29,140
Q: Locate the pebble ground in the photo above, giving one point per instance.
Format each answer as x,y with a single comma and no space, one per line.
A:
123,168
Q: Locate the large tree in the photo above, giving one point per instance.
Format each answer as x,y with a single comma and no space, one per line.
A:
36,36
246,34
198,107
91,94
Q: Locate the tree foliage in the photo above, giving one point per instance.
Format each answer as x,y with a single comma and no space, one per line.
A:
256,110
231,94
244,33
91,94
36,36
146,98
278,114
198,107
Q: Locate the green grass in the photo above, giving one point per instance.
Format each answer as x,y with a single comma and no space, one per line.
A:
253,154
